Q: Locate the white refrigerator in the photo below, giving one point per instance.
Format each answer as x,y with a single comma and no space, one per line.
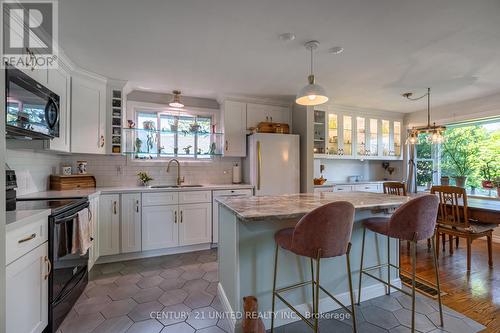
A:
272,164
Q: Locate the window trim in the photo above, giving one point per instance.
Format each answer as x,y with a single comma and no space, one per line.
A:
134,107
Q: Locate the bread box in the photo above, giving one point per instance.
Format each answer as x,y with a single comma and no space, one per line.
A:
71,182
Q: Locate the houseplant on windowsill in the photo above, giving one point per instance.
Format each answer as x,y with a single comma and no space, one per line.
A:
144,178
487,173
496,183
459,160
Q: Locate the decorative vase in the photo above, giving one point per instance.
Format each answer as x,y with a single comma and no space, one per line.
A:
498,192
487,184
461,181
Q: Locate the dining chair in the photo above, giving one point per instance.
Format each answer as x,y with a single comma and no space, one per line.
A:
399,188
453,220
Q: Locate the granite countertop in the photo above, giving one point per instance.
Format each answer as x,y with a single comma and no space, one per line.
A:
333,183
123,189
292,206
17,218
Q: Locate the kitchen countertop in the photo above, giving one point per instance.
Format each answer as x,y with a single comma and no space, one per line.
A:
333,183
17,218
294,206
90,192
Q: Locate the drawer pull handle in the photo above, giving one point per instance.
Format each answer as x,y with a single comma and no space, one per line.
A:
181,216
114,207
27,239
175,217
49,267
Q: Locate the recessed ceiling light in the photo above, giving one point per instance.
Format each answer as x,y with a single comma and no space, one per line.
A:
288,36
336,50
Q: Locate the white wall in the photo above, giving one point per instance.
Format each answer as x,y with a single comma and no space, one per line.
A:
2,203
477,108
339,170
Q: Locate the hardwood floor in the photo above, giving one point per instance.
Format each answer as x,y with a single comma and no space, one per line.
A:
476,295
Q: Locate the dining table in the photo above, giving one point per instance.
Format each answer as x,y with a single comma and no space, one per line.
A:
484,210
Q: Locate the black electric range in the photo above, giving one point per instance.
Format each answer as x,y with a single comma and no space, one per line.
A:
69,275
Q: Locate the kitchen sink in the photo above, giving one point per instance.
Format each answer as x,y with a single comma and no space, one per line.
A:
174,186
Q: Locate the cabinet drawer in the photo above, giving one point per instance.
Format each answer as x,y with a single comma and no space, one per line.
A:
232,192
195,197
323,189
366,188
21,241
342,188
160,198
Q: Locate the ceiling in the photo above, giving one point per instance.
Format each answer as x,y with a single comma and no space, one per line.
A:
231,47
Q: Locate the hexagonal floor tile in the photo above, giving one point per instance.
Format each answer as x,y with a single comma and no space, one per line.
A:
123,292
379,317
453,324
127,279
171,297
422,323
151,281
420,306
210,266
170,273
147,326
386,302
118,308
148,295
178,328
115,325
198,299
211,276
194,285
110,268
144,311
203,318
170,284
174,314
212,288
82,324
92,305
193,274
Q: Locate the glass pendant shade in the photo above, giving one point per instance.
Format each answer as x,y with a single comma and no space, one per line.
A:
312,94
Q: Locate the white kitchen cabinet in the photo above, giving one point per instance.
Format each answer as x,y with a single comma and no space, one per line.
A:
88,115
323,189
356,135
94,232
59,81
234,116
160,227
376,188
215,208
27,292
257,113
109,224
342,188
195,224
131,223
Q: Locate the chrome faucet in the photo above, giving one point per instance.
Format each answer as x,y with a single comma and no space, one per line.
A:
179,180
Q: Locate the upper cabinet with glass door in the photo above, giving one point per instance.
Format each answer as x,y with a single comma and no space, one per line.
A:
340,135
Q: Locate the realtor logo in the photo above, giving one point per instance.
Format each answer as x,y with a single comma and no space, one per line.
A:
29,34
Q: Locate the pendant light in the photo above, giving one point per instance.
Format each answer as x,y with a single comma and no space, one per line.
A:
176,102
436,132
312,94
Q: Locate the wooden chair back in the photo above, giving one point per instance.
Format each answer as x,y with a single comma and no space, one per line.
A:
395,188
452,206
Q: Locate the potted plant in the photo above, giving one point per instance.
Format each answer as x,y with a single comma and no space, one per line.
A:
496,183
187,149
487,173
144,178
459,161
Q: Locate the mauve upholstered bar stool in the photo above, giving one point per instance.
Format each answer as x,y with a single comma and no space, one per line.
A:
323,233
413,221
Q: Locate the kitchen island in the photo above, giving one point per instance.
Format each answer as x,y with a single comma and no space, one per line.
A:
246,251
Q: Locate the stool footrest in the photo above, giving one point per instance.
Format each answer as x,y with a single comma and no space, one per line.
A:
386,283
295,286
294,310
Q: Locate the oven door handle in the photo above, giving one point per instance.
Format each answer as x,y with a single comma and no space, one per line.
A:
66,219
65,292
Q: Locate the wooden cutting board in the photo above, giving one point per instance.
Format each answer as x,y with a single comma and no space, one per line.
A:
72,182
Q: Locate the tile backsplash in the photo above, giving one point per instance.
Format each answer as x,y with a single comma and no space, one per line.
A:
118,171
34,167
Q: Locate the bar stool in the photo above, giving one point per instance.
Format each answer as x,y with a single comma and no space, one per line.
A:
323,233
413,221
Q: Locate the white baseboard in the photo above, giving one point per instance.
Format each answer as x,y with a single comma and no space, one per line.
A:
152,253
325,305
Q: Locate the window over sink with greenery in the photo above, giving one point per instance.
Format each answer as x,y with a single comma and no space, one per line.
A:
158,135
469,157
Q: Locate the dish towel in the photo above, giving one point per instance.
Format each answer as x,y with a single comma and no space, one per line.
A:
81,233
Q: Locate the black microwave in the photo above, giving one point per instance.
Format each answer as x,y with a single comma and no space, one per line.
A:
31,109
